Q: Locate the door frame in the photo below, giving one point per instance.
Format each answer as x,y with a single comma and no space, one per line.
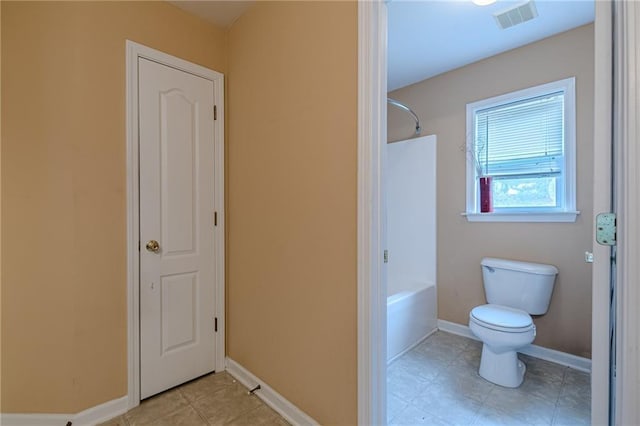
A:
133,52
372,63
626,159
372,134
602,189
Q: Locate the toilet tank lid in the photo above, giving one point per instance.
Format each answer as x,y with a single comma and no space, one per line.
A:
516,265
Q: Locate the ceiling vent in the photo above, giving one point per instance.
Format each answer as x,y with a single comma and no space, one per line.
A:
516,15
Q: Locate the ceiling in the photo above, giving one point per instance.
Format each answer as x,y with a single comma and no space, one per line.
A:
427,38
221,13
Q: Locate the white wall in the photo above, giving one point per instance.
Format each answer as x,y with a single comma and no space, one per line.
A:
411,213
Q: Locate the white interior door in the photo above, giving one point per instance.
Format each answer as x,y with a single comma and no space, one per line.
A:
177,268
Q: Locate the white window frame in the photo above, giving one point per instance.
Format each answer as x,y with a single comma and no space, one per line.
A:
538,214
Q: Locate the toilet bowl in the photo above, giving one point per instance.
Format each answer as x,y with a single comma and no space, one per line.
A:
503,330
515,290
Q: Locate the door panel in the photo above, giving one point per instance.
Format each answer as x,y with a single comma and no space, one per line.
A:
179,311
178,116
177,297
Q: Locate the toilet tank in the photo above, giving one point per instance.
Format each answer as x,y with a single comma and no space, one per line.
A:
522,285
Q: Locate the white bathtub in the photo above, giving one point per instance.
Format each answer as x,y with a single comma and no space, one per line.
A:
411,317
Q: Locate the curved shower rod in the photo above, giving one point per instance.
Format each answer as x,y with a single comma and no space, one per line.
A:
400,105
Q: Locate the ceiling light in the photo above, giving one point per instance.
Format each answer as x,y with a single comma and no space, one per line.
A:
483,2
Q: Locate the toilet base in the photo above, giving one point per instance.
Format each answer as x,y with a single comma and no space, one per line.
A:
504,369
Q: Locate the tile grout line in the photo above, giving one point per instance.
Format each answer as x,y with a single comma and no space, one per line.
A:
555,407
190,403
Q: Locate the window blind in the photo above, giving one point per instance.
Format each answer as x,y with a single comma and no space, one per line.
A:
525,137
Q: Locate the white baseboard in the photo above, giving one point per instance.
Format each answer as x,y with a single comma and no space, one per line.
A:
89,417
273,399
34,419
562,358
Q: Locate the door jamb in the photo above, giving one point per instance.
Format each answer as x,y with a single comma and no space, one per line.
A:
626,120
133,52
372,132
602,187
372,30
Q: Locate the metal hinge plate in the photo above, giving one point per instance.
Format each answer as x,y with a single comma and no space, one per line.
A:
215,112
215,324
386,256
606,229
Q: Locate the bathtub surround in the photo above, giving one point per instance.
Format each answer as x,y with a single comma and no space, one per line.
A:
440,102
411,241
411,213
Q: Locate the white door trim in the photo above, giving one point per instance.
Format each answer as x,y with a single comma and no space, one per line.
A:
626,124
372,30
602,187
133,52
372,133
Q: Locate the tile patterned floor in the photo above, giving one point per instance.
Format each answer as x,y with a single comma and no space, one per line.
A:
437,383
216,399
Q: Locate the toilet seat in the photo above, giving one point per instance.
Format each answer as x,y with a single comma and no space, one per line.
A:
502,318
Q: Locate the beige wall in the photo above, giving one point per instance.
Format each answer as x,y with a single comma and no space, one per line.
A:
292,93
440,103
63,192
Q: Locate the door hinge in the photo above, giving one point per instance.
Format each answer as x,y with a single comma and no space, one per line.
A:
386,256
138,245
215,112
215,326
215,218
606,229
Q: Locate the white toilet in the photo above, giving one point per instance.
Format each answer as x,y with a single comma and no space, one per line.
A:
514,290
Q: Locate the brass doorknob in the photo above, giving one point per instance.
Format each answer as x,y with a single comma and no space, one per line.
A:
153,246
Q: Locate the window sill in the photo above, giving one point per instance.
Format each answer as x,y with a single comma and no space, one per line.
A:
522,217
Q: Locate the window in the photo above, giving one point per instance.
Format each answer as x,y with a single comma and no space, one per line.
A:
525,142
